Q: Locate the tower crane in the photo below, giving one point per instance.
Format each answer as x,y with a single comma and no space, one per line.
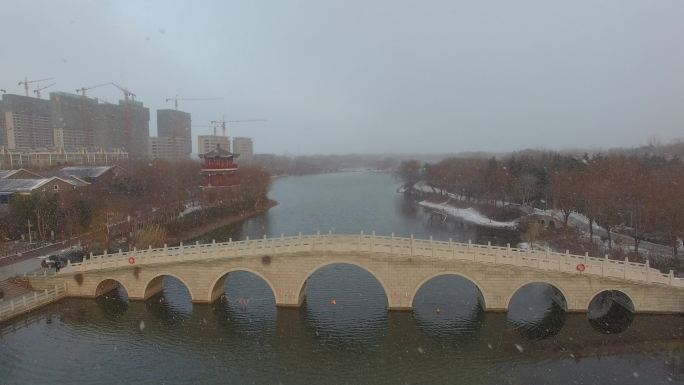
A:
176,99
83,90
223,121
26,83
127,93
38,89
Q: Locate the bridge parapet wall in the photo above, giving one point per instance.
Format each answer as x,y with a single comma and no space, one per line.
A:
375,244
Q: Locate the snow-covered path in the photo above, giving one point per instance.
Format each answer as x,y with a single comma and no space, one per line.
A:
469,214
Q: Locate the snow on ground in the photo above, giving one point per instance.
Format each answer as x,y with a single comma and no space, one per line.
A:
533,246
469,214
189,209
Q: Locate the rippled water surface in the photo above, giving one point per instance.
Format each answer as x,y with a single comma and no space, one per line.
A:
342,334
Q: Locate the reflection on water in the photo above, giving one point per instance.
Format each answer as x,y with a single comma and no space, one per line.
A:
114,302
448,306
537,310
247,305
611,312
173,304
344,303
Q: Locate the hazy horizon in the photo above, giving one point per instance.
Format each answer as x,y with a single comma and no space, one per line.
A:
436,77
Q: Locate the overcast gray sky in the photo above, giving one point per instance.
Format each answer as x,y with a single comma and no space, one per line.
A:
373,76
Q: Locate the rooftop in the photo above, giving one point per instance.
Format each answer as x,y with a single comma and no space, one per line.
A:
25,185
85,171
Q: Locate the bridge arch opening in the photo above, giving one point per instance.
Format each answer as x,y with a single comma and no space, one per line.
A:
168,293
244,297
111,297
338,297
537,310
610,311
448,304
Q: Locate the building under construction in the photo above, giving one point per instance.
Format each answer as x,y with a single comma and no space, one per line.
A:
206,143
27,122
176,126
70,122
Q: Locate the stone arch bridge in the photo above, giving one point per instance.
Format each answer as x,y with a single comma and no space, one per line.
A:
400,265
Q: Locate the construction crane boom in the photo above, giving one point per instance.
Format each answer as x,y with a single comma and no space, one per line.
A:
176,99
127,93
38,89
223,122
83,90
26,83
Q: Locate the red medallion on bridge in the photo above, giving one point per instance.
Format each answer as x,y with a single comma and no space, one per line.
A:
131,260
581,267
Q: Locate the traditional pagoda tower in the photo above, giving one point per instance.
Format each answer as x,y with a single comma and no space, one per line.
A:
219,169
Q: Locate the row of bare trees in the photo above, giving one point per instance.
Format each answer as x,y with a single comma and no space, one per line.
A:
642,196
156,189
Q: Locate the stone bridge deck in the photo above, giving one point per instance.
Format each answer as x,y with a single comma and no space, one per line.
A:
400,265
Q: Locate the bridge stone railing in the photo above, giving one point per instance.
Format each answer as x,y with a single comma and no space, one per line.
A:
371,243
30,301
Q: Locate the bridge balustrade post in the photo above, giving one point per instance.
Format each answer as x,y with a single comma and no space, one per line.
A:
392,243
670,278
432,247
647,266
412,246
603,265
624,268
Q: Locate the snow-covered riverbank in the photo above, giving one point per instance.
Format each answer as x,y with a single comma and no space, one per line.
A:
469,214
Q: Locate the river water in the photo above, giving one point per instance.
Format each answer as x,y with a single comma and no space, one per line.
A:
342,334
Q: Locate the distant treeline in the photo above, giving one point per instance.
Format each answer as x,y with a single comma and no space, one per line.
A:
642,195
320,164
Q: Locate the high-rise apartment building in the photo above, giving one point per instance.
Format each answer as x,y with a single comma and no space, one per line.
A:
74,120
27,122
175,124
125,125
3,129
167,148
206,143
243,147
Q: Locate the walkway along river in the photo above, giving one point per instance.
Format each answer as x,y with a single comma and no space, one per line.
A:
343,333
